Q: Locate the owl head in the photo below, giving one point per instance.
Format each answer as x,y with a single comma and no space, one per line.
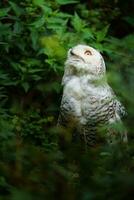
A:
85,59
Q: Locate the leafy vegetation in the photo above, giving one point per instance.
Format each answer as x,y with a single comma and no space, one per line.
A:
34,38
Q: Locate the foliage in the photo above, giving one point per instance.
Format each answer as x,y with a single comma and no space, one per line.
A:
34,38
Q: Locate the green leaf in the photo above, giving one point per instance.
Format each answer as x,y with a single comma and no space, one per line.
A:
39,22
18,10
20,195
5,129
65,2
87,34
100,35
26,86
53,47
55,22
34,37
4,12
77,23
17,27
35,70
46,10
105,154
130,20
38,2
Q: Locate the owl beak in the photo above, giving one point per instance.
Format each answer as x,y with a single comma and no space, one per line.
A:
75,55
72,53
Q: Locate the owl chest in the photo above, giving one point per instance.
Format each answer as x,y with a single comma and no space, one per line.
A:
80,90
87,101
73,89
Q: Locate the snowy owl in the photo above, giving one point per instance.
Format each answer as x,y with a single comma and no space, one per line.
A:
88,103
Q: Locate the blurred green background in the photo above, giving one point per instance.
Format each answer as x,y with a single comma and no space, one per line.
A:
34,38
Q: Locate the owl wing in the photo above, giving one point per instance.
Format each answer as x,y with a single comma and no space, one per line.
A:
66,108
119,108
62,118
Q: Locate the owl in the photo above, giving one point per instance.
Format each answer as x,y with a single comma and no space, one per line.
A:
89,106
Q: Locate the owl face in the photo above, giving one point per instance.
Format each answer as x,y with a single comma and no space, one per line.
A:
86,57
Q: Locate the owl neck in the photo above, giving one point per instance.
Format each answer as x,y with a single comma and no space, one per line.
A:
92,80
96,80
83,73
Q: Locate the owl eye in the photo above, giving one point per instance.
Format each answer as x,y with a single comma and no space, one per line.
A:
87,52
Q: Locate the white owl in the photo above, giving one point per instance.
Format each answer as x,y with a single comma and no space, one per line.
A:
88,102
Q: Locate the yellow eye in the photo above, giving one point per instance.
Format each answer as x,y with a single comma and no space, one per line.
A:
87,52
